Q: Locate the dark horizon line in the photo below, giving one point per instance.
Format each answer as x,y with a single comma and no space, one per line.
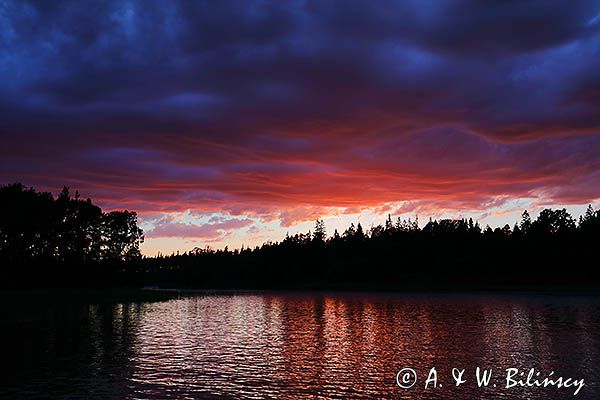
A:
398,223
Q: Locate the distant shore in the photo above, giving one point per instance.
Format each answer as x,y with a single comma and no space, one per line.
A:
155,293
86,294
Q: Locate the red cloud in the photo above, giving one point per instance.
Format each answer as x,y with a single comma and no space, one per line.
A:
441,168
290,115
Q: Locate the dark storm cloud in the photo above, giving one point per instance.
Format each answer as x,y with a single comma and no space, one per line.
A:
174,105
472,28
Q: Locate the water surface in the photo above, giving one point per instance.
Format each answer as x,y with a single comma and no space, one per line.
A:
295,346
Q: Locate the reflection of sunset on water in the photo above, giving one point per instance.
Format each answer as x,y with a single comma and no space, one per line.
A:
301,345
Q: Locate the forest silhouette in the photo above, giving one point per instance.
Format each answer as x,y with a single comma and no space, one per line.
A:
64,240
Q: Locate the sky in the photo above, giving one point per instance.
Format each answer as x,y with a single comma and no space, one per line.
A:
229,123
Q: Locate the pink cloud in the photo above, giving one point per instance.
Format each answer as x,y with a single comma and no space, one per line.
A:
167,227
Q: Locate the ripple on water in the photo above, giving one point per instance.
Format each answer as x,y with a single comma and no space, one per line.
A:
297,346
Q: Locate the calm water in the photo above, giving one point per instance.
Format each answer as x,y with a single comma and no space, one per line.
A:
297,346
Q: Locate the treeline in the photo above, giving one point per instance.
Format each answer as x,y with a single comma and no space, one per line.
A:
67,240
45,236
552,251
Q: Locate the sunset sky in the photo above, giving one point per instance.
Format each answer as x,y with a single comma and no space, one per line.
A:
230,123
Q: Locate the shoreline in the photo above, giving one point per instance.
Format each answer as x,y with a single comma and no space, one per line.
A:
152,294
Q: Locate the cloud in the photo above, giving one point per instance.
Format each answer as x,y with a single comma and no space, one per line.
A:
283,111
169,227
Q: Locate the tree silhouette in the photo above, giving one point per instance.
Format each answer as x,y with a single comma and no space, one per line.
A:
590,220
70,239
320,233
350,232
121,236
389,225
36,228
525,222
553,221
360,234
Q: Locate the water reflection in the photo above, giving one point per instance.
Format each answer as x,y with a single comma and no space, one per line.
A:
297,346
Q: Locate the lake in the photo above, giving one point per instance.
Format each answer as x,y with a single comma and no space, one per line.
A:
300,345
